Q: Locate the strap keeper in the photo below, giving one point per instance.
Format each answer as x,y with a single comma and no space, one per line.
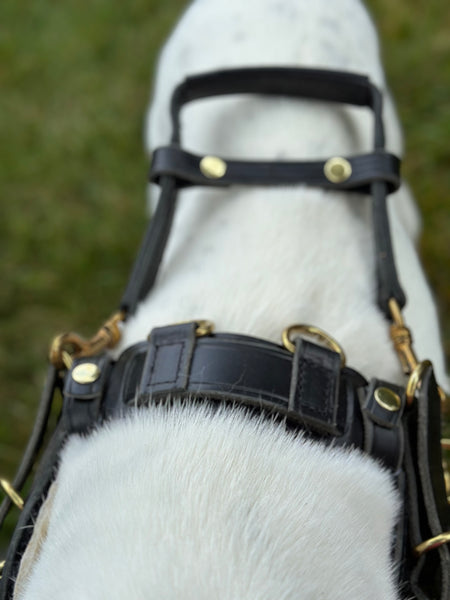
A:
314,389
168,371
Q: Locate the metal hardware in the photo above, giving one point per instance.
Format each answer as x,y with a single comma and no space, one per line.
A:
415,380
213,167
66,347
337,169
302,330
388,399
432,543
2,566
204,327
86,373
12,494
402,339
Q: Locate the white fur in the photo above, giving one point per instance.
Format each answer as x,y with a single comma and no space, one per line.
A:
187,504
184,503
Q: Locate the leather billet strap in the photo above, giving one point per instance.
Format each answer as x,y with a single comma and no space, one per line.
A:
35,440
365,168
427,506
81,412
376,173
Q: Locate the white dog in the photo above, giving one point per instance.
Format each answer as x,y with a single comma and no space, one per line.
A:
195,504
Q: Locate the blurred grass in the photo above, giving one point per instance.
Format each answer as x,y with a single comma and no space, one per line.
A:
75,81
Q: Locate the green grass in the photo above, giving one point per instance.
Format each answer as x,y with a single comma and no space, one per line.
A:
75,83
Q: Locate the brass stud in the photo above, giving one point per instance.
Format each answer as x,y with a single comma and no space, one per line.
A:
213,167
388,399
337,169
86,373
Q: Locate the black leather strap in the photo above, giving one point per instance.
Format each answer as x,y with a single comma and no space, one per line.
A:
314,390
366,168
83,400
150,254
383,433
316,84
22,533
36,438
429,511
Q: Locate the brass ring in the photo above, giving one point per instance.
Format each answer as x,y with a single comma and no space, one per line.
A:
11,493
314,332
415,379
432,543
204,327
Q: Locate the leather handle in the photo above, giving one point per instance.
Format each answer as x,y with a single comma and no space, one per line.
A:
317,84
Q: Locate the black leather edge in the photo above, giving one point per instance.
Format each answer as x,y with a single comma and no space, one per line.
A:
366,168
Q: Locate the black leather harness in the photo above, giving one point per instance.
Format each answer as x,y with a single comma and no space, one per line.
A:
309,388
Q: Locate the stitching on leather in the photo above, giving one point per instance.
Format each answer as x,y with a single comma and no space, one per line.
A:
181,354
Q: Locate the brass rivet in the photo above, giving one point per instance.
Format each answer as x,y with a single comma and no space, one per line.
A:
388,399
337,169
86,373
213,167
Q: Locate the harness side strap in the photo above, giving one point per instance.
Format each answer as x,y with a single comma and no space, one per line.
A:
80,412
24,528
188,169
35,439
429,512
388,284
145,268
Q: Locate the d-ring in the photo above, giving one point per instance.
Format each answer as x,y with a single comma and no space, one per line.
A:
311,331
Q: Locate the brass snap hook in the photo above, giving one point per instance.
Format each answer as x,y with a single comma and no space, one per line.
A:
68,346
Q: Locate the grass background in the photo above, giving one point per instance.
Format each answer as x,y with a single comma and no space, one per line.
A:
75,82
